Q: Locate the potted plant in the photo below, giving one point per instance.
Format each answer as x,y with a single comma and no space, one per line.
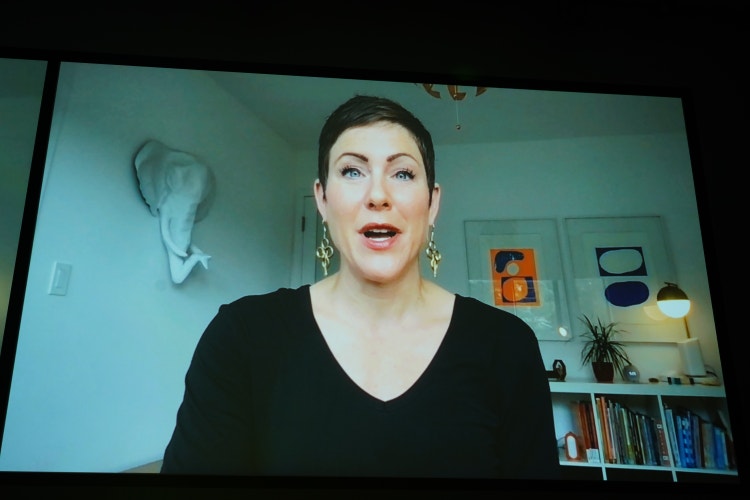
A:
606,355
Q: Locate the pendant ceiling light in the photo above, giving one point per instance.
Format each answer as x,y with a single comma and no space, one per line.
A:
453,92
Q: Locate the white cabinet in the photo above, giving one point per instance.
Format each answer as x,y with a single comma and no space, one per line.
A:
632,411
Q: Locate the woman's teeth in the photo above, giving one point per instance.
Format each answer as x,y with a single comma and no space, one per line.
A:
380,234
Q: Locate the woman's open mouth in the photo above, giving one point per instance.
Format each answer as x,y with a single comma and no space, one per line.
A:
379,236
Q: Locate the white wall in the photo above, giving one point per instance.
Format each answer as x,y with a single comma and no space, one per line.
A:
597,176
99,372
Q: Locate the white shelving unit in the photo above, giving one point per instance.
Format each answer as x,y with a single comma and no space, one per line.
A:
647,398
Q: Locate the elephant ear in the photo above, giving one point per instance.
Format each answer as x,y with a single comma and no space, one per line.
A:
149,167
208,197
160,171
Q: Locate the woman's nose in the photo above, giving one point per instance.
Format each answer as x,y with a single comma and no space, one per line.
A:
378,196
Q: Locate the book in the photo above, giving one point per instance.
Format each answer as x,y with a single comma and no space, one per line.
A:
607,449
722,459
728,440
584,429
685,440
695,434
630,437
637,438
641,452
653,441
661,436
593,454
610,415
643,426
708,447
672,434
614,430
579,410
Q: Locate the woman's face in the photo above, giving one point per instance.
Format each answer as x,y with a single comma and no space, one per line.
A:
376,203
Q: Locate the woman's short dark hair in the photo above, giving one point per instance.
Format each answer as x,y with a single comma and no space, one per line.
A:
363,110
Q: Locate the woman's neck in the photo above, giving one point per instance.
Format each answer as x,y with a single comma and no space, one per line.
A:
376,303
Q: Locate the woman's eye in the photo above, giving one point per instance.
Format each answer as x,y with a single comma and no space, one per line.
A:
404,175
350,172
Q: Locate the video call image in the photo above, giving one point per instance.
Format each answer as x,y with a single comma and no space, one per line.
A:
125,272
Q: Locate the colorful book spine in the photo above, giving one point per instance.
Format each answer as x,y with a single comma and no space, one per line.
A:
669,418
606,434
708,446
630,436
577,409
638,448
586,431
722,458
648,456
685,440
653,441
661,435
593,454
613,413
695,434
728,439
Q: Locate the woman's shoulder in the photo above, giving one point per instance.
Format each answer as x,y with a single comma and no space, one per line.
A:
472,311
507,339
263,308
476,306
255,318
281,299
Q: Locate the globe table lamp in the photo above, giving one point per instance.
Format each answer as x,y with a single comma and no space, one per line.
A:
673,302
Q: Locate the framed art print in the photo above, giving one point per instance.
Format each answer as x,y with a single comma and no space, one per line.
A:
515,265
619,265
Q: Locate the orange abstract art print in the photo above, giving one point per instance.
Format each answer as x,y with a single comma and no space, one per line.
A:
514,277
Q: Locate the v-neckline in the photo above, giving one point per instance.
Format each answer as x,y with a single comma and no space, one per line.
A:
366,396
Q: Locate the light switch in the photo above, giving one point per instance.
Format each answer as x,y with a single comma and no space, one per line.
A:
60,278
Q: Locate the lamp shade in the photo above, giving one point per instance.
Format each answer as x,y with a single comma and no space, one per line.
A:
672,301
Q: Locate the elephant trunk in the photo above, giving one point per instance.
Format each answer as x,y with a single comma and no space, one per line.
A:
176,231
178,188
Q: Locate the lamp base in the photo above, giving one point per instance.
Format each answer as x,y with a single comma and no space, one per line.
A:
692,358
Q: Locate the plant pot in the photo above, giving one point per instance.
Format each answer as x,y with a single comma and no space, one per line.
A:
604,371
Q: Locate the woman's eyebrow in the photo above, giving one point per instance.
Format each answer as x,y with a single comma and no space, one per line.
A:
399,155
365,159
356,155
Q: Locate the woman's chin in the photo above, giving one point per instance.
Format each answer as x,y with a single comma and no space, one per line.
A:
379,279
382,274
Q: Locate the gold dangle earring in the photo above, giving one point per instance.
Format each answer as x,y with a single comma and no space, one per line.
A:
325,251
432,252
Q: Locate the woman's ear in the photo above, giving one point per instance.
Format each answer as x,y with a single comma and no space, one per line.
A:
320,198
435,203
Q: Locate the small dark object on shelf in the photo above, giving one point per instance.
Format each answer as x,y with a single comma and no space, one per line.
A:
558,370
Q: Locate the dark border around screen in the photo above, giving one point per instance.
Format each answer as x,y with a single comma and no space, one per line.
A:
161,486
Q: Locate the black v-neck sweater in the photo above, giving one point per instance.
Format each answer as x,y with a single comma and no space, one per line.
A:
264,396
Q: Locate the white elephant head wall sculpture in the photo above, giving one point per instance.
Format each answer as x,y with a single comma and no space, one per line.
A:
179,189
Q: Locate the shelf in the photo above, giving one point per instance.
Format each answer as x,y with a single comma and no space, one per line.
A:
647,400
660,388
570,463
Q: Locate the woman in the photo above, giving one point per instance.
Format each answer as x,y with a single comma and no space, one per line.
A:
374,370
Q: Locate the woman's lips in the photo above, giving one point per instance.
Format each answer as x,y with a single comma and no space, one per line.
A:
379,236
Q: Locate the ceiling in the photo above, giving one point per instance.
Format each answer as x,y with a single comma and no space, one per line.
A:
296,107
